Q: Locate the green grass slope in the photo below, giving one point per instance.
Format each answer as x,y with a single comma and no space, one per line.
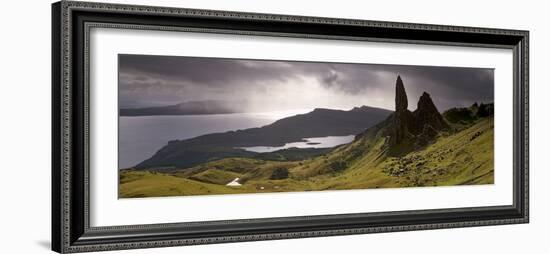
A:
465,157
461,157
135,184
215,176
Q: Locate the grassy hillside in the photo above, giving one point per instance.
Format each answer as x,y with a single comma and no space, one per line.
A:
136,184
465,157
460,156
215,176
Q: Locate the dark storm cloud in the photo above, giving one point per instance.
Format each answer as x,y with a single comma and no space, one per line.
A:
204,71
157,80
449,86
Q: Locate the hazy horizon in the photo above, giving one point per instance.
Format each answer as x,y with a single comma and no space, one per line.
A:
273,85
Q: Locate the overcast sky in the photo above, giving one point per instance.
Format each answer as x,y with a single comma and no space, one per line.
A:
257,85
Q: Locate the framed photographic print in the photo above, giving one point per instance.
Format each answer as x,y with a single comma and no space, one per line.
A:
181,126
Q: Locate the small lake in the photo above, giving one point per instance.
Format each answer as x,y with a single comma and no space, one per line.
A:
317,142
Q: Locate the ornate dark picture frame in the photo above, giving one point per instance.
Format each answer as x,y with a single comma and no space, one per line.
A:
71,230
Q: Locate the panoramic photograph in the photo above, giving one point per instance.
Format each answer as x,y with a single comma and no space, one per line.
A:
212,126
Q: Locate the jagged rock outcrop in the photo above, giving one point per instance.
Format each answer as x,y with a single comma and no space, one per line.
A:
423,124
427,114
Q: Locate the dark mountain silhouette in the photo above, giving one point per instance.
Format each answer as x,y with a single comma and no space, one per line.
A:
207,107
318,123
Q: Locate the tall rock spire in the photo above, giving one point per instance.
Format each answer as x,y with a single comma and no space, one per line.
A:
401,102
402,118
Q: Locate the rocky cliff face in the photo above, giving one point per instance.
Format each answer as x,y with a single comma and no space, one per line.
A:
419,126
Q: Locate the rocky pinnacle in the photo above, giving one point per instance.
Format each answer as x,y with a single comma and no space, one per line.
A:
423,124
402,117
401,102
